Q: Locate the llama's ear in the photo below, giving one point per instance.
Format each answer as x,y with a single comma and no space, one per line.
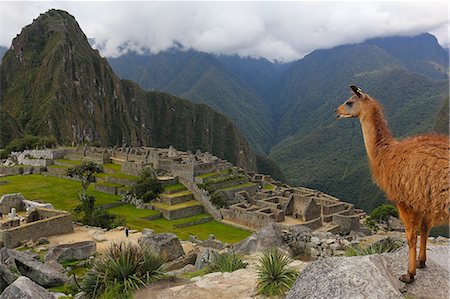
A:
356,90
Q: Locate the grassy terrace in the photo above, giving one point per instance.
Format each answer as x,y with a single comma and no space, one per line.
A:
182,205
69,162
210,174
63,194
178,194
177,187
237,186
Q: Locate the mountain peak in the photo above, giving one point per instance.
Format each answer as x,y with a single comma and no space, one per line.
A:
53,83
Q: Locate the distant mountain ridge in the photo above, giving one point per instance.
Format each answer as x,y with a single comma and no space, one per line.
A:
296,101
53,83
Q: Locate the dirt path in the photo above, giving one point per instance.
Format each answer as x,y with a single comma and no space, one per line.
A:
82,233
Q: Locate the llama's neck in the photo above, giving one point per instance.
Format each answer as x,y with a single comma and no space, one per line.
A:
377,136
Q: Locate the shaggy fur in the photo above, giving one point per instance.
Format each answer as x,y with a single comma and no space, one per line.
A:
414,173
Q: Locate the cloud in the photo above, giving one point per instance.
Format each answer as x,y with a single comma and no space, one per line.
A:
280,31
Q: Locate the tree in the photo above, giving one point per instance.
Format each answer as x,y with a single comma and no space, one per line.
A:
93,215
147,187
85,172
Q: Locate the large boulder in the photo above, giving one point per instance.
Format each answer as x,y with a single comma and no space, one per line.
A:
166,245
205,257
73,251
374,276
24,288
7,277
268,237
40,273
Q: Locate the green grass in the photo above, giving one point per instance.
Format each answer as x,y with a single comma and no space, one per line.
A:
112,166
69,162
268,187
61,193
225,233
237,186
117,175
178,206
178,194
210,174
108,184
175,187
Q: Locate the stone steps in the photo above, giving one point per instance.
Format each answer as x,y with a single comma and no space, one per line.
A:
180,210
176,198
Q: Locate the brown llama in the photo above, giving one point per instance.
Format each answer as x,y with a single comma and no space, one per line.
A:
414,173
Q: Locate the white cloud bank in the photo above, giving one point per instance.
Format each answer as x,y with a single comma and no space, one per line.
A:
280,31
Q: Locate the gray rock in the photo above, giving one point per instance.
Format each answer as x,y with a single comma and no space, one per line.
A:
42,241
7,277
316,240
186,269
73,251
266,238
205,257
181,261
395,224
148,232
40,273
166,245
373,276
24,288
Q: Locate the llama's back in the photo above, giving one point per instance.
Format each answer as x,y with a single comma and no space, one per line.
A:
418,175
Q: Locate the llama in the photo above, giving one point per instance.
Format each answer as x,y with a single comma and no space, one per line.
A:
414,173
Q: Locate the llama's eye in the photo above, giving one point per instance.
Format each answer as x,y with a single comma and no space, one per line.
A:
349,104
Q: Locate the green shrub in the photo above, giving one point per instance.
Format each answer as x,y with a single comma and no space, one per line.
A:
218,200
383,212
147,186
28,142
228,262
275,277
124,268
371,224
386,245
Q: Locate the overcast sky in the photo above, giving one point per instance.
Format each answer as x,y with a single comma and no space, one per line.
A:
281,31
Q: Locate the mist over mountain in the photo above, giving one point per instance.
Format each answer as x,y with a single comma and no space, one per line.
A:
286,110
53,83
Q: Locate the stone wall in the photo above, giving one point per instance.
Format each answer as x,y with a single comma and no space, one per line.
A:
9,201
182,213
202,197
55,225
132,168
11,170
346,223
247,218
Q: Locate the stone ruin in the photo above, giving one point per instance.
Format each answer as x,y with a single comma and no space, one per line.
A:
293,206
23,220
253,207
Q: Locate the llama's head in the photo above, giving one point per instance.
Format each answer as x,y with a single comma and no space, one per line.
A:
353,106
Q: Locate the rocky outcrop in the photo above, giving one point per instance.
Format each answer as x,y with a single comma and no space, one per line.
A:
205,257
374,276
166,245
74,251
40,273
268,237
24,288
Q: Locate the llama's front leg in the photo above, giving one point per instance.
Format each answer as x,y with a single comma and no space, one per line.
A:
411,236
424,231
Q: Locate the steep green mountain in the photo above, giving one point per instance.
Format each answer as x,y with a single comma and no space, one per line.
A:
329,155
2,51
408,74
421,53
52,82
228,84
441,124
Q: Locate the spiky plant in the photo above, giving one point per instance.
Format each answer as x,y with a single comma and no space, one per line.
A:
275,277
387,245
228,262
124,267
